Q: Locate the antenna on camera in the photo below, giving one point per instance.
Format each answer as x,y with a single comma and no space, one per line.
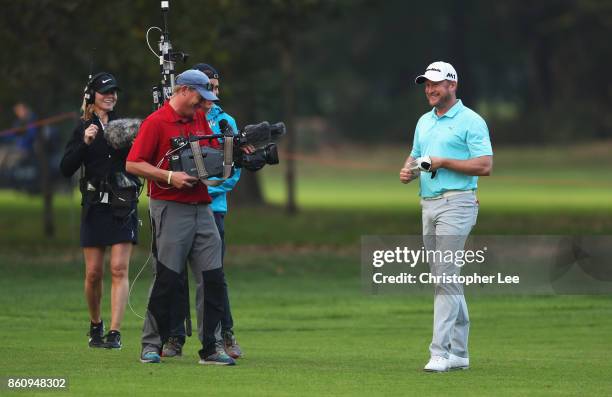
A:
91,63
165,50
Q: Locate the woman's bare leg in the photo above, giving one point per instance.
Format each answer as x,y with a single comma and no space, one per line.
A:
94,272
119,264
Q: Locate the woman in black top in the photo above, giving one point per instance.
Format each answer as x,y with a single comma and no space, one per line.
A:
103,224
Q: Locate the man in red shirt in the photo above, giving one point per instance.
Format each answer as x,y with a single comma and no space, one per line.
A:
183,224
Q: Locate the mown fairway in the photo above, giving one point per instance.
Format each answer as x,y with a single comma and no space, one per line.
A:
301,316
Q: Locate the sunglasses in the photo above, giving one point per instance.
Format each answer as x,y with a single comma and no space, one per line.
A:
209,86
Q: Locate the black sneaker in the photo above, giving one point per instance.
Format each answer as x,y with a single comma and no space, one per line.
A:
96,334
113,340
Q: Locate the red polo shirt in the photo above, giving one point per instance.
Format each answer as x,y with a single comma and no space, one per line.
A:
153,143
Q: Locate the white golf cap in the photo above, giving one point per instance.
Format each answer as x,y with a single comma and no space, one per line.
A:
438,71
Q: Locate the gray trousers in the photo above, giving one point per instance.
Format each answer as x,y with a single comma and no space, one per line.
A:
228,321
181,233
447,222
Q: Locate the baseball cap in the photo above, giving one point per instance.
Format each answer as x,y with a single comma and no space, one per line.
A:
199,81
438,71
207,69
105,82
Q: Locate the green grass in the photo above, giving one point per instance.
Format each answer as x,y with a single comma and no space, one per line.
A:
301,316
307,329
524,180
21,223
353,191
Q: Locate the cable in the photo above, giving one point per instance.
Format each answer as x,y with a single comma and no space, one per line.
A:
151,245
140,271
147,38
132,286
168,153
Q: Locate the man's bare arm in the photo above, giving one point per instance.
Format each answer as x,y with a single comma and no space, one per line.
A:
143,169
478,166
406,174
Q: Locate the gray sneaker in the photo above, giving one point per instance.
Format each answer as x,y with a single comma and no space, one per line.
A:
218,358
232,348
172,348
152,357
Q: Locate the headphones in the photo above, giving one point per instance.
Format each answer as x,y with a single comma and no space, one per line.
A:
89,94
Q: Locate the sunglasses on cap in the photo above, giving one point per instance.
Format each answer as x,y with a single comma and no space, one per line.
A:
208,86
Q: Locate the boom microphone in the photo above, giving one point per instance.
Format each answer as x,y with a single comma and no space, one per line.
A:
277,130
259,135
121,133
224,127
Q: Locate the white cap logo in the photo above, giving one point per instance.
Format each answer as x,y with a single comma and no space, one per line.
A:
438,71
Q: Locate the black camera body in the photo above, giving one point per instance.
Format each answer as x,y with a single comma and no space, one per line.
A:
261,136
258,159
182,159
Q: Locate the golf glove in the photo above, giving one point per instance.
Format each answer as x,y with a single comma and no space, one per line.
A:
423,164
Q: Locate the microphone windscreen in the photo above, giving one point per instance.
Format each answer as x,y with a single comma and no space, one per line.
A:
257,135
224,127
277,130
121,133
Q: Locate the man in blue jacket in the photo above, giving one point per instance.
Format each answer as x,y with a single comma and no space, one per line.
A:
214,114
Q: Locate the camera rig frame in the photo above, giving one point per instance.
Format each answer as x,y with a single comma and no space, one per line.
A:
168,58
185,149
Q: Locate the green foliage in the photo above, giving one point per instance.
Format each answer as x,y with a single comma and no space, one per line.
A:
354,60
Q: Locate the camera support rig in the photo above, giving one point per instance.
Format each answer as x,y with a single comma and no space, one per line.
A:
204,162
260,135
167,59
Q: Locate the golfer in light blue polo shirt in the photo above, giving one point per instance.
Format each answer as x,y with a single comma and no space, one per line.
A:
459,134
451,149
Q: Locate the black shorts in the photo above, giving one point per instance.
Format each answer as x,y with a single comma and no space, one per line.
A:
100,228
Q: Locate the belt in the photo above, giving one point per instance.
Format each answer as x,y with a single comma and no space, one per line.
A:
448,193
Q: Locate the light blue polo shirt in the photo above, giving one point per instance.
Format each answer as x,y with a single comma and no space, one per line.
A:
459,134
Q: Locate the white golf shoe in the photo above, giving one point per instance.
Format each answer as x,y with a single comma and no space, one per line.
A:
456,362
437,364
